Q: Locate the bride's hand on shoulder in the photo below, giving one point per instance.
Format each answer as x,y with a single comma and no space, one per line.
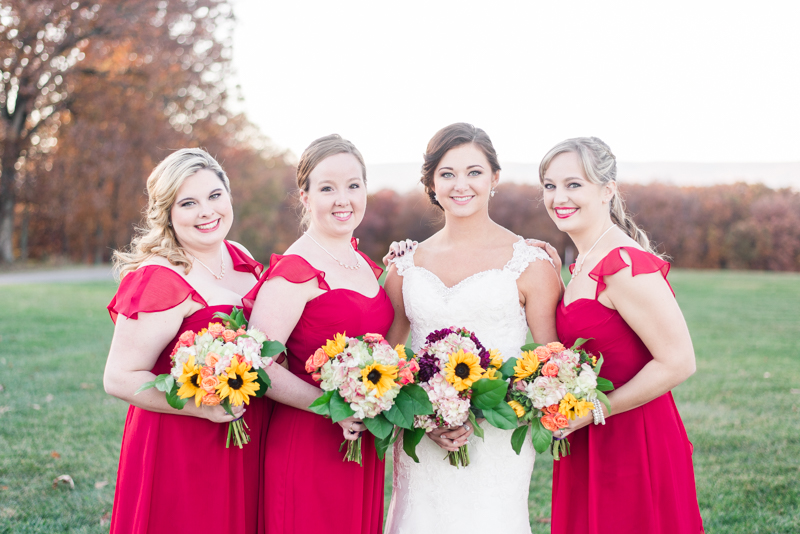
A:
550,249
450,439
352,428
397,249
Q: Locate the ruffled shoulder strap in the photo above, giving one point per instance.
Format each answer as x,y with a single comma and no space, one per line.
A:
376,270
524,255
641,263
242,262
150,289
293,268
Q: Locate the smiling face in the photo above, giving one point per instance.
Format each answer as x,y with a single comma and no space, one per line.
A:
202,214
463,180
336,196
573,202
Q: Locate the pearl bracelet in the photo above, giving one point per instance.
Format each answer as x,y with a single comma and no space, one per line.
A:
597,413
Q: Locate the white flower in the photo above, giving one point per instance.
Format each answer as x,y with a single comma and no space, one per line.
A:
587,380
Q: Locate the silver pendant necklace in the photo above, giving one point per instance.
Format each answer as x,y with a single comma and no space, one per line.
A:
221,263
351,267
578,265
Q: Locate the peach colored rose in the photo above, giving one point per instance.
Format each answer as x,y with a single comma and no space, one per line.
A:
215,329
549,423
211,399
317,376
405,376
207,371
413,366
209,383
556,347
550,369
241,332
373,338
543,353
316,360
228,335
241,359
186,339
212,358
553,408
560,420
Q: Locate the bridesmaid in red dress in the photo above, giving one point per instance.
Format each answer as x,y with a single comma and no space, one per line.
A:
631,471
175,474
322,286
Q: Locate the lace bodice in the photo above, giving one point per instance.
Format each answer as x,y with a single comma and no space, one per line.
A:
432,496
486,302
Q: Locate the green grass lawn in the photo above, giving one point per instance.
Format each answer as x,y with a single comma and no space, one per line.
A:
741,408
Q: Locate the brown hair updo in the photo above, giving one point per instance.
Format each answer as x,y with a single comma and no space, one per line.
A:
448,138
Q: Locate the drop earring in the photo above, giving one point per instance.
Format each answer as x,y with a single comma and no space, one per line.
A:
492,192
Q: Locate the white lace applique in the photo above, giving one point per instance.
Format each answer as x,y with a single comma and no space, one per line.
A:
433,496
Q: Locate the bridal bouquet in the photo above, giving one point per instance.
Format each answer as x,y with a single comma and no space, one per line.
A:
219,365
366,378
463,382
550,385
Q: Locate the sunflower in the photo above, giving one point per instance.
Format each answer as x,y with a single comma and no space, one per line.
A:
335,346
572,407
496,360
526,365
190,379
237,383
463,369
491,374
518,408
380,377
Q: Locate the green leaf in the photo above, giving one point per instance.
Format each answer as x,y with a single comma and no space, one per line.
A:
411,438
164,382
507,369
518,438
378,426
382,445
270,349
488,393
540,436
409,353
476,428
604,384
599,365
146,386
530,346
422,405
602,398
580,341
339,408
501,416
175,401
321,406
402,412
226,405
263,381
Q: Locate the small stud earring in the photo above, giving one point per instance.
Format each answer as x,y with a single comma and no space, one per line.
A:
169,224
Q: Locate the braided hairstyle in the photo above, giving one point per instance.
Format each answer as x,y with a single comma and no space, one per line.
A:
600,166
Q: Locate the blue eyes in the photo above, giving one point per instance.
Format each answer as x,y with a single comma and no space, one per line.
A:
572,185
451,175
327,188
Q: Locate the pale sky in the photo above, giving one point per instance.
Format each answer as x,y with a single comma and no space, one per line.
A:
696,81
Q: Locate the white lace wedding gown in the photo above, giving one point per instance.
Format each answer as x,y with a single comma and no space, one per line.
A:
491,494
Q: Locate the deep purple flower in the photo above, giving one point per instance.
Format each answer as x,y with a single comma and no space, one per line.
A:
438,335
428,366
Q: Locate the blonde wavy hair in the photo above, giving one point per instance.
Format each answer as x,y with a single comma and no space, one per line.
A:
600,166
156,237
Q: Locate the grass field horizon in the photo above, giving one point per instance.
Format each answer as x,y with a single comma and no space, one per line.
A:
741,409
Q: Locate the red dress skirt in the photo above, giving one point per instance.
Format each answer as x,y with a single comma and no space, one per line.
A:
175,474
307,486
634,474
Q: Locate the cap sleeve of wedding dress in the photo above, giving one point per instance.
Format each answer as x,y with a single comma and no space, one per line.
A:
525,254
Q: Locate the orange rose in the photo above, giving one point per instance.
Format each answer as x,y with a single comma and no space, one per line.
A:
550,369
317,376
216,329
560,420
209,383
543,353
556,347
241,332
207,371
211,399
373,338
405,376
228,335
186,339
316,360
241,359
212,358
549,424
553,408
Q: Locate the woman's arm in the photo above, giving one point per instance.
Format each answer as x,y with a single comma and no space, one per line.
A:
398,332
277,309
135,347
646,303
540,287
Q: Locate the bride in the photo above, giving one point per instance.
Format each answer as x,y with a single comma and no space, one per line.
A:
476,274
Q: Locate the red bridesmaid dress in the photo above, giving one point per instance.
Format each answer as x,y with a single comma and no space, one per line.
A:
634,474
175,474
307,486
